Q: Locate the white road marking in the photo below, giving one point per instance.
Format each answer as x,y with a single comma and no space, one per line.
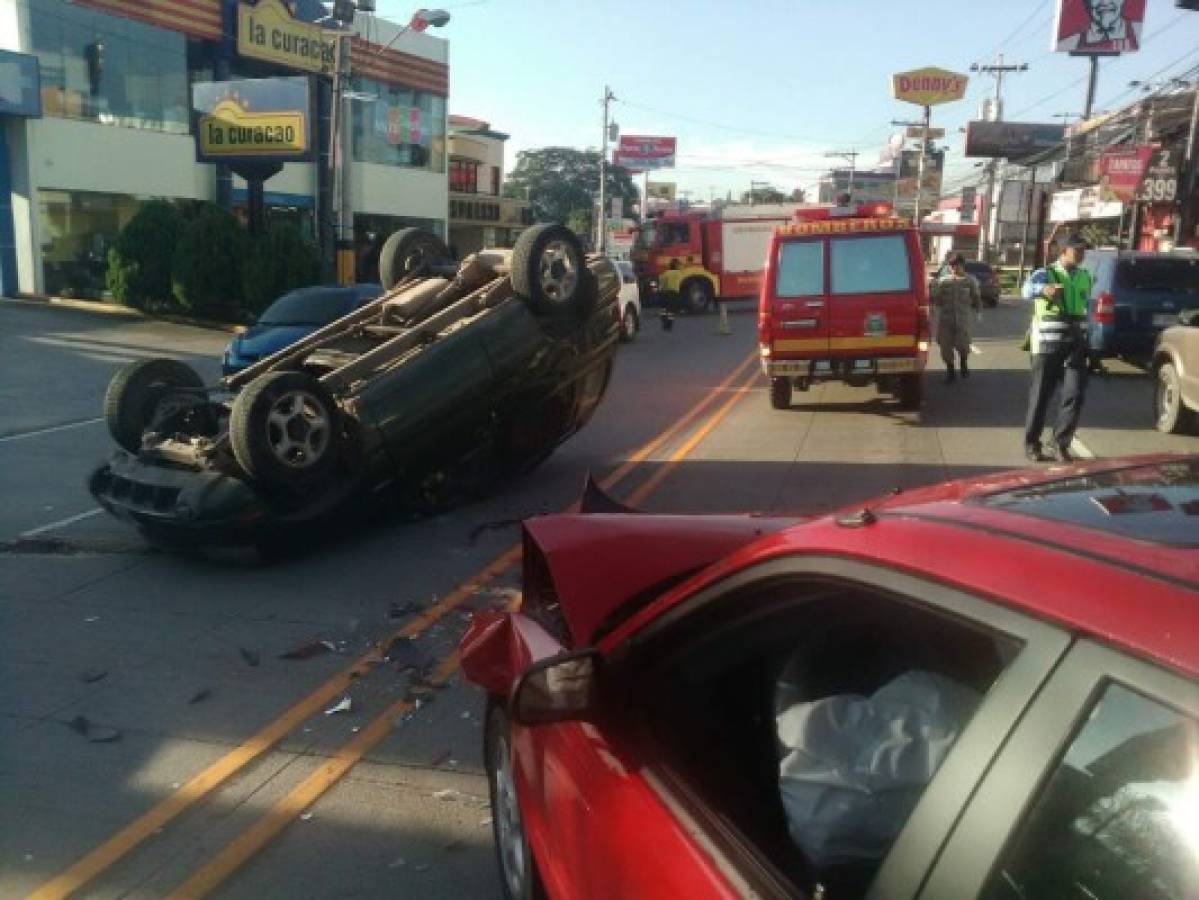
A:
52,430
61,523
1081,450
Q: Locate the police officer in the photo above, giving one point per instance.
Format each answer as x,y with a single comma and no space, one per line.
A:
1058,341
958,300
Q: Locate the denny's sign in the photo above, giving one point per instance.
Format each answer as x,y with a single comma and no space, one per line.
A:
267,31
928,87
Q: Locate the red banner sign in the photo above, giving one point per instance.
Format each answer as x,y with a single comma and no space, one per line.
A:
645,153
1099,27
1120,171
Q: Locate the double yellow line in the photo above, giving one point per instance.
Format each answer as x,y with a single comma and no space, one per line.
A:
275,820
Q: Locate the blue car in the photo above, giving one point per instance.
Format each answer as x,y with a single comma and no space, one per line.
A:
294,315
1136,296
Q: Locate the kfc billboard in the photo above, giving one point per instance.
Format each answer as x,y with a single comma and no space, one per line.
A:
1098,27
641,153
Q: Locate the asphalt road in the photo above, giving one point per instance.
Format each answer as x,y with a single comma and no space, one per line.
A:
225,775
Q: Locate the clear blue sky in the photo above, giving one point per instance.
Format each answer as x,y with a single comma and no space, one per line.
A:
760,89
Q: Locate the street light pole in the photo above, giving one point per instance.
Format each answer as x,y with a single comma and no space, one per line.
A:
342,146
851,157
998,69
601,235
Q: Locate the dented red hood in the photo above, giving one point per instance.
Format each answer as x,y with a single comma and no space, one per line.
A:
600,568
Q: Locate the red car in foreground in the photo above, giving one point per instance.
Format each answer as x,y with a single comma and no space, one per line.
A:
981,689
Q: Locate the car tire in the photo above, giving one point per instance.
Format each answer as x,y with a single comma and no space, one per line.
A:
407,251
549,269
285,430
910,391
518,870
696,295
1171,413
780,393
136,393
629,324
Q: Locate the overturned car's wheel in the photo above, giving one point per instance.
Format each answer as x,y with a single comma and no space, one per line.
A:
549,269
284,428
406,251
142,391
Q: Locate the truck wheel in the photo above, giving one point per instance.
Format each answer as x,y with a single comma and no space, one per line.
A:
629,324
780,393
549,269
1172,417
140,391
284,428
911,391
697,295
406,251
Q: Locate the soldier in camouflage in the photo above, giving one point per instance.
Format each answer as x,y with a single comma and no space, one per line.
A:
958,300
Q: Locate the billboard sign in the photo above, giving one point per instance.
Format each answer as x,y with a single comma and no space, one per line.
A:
908,169
1098,27
253,120
644,154
1082,204
662,190
1011,140
267,31
1159,184
1013,200
1121,171
20,85
928,86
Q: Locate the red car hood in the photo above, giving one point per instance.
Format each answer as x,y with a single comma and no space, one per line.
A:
597,569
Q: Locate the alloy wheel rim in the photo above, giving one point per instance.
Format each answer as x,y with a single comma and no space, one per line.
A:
559,270
509,828
297,429
1165,393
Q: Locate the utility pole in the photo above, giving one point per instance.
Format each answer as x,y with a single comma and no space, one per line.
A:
1184,226
1092,84
851,157
341,147
997,69
601,240
923,126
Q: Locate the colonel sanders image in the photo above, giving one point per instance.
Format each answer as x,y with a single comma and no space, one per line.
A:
1099,26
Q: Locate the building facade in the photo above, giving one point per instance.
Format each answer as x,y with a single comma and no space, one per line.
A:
116,128
479,215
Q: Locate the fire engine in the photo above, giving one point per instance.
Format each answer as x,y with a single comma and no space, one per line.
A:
699,257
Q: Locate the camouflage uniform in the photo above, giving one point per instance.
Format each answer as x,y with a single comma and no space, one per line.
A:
957,300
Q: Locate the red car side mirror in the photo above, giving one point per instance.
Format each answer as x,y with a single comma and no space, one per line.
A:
559,689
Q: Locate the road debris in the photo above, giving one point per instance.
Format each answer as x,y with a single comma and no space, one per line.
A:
447,795
200,696
251,657
440,758
97,734
91,676
309,650
397,610
398,863
404,654
91,619
423,867
497,525
345,704
306,817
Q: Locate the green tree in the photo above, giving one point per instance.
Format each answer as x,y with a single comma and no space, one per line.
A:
277,261
561,181
139,261
206,268
764,195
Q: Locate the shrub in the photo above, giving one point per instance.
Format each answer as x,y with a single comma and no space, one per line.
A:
206,267
139,261
278,260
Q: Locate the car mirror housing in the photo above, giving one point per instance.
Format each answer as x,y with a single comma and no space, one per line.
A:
559,689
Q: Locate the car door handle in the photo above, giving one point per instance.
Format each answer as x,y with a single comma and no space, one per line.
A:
814,304
800,323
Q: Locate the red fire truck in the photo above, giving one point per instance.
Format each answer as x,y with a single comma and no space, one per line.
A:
700,257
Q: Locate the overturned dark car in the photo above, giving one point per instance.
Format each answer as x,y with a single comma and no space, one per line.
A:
457,377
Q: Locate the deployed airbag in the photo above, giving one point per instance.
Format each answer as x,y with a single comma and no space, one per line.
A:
854,767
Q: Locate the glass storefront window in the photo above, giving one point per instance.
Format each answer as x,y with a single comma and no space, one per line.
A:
103,68
77,228
400,127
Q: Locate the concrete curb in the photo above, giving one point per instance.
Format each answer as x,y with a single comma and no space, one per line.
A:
99,307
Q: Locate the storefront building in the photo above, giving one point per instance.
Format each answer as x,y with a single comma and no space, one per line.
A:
479,215
115,130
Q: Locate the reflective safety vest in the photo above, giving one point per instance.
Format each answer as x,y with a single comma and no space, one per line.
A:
1061,323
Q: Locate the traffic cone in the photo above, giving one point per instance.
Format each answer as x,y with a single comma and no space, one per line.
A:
723,327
